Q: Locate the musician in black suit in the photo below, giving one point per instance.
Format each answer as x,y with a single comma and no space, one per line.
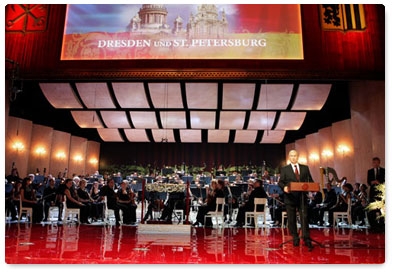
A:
295,172
376,176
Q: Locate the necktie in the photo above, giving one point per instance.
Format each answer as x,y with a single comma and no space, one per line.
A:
375,173
296,172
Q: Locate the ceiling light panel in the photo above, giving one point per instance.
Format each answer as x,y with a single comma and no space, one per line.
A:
163,135
273,137
311,96
191,136
290,120
142,120
130,94
274,96
218,136
202,120
136,135
171,119
87,119
110,135
60,95
245,136
95,95
115,119
232,120
238,95
166,95
261,120
202,95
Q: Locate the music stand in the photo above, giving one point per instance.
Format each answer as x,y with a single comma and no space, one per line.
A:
303,187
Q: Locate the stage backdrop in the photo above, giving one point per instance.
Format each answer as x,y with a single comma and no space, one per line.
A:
174,31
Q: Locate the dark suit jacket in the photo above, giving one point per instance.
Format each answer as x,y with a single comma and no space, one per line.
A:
380,176
373,192
287,175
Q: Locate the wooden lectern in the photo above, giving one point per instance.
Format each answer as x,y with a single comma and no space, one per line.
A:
304,186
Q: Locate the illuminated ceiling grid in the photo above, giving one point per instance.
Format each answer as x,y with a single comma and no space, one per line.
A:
192,112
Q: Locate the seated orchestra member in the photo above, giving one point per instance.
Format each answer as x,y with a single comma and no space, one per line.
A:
10,203
342,202
112,199
329,201
72,201
211,203
175,200
315,199
95,195
276,207
84,197
358,209
154,203
49,198
126,203
60,197
256,192
29,199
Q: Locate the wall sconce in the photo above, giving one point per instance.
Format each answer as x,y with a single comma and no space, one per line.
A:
18,146
60,155
302,160
314,157
93,161
326,154
40,151
78,158
343,149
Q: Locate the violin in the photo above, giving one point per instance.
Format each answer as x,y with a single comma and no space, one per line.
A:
132,196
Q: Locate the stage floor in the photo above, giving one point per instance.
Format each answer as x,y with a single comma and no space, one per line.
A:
53,243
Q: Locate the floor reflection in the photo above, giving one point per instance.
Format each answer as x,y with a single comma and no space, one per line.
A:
86,244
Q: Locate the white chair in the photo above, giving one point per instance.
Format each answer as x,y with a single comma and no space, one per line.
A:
255,214
343,215
284,216
218,213
53,213
70,214
25,210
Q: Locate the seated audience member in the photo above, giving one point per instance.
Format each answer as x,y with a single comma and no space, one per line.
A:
49,198
257,192
28,197
342,202
72,201
211,203
329,201
126,203
107,191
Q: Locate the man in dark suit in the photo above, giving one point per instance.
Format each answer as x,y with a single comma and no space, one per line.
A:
295,172
376,176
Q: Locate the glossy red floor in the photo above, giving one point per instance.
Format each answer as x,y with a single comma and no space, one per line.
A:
98,244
